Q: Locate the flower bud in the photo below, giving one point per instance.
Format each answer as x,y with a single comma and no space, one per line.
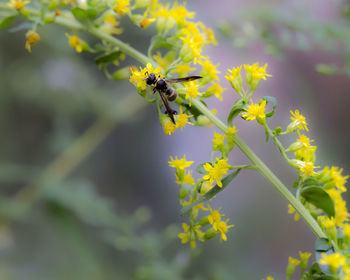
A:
304,258
296,163
294,146
182,193
202,121
210,233
121,74
293,126
204,221
292,264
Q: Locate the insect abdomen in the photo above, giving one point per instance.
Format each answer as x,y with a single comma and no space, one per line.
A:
171,94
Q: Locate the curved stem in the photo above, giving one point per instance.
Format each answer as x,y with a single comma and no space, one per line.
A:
266,172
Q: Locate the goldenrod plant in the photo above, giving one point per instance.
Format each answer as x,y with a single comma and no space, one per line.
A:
178,50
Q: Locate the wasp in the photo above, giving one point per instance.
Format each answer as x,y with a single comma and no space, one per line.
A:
166,92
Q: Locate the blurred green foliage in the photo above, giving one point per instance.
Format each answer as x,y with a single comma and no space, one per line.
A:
289,25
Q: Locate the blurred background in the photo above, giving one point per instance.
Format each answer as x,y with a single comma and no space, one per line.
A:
86,190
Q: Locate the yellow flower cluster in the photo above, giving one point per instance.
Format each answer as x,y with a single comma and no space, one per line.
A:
218,225
189,189
293,263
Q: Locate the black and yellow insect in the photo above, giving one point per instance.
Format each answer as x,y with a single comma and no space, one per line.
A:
166,92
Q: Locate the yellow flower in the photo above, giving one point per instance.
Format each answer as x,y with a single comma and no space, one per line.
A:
182,119
216,172
18,4
338,179
304,258
169,128
209,34
122,7
293,261
214,217
218,141
291,210
298,122
235,78
110,25
32,39
234,74
292,264
180,14
192,48
306,154
76,43
329,223
192,90
209,70
256,72
255,111
183,69
334,261
180,163
162,61
190,234
217,90
232,130
270,278
341,212
308,168
146,21
223,227
138,78
188,179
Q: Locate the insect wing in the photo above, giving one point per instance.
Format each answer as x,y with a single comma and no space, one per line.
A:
182,80
169,111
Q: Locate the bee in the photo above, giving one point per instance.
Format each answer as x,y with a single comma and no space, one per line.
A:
166,92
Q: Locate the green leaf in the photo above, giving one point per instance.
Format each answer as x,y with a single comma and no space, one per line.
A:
84,15
311,181
322,245
158,41
272,100
210,194
108,57
91,13
320,198
317,273
80,14
200,168
6,22
235,110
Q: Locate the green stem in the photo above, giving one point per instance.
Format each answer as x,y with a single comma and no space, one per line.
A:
266,172
277,142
